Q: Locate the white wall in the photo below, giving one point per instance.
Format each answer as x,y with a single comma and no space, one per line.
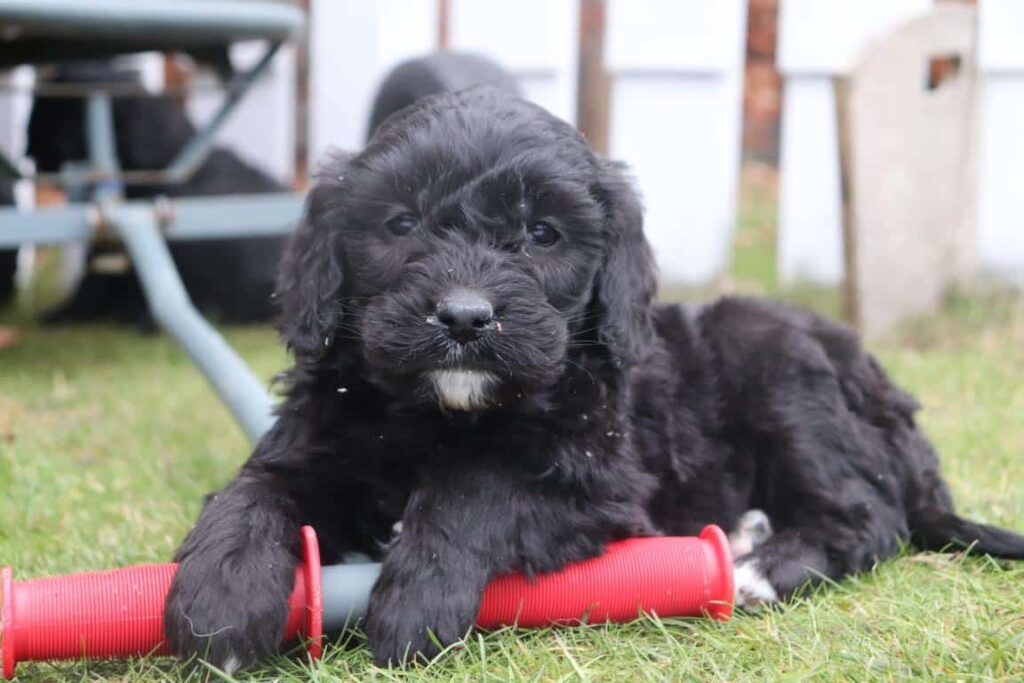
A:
15,108
353,43
818,39
536,40
1001,162
677,77
149,65
261,130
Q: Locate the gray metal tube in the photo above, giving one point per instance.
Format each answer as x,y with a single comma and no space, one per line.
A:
346,593
183,218
99,133
57,225
198,218
186,22
171,307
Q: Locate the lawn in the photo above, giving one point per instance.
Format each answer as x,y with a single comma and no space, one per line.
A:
109,439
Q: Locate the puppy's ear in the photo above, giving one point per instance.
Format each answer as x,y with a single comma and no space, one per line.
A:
310,276
627,279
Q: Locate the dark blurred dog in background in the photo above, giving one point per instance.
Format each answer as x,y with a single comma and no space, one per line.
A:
414,79
8,257
231,280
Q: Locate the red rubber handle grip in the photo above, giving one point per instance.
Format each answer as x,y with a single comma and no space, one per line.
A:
667,576
119,613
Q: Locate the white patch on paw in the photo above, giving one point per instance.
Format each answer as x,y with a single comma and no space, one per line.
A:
752,588
462,389
752,529
231,665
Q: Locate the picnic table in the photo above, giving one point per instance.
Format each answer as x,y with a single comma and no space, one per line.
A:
48,31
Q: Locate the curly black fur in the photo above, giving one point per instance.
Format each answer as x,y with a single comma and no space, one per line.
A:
608,415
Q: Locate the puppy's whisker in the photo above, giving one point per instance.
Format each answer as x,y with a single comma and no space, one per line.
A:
345,331
508,366
587,372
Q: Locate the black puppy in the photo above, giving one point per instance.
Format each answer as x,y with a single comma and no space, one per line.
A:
231,279
482,383
430,74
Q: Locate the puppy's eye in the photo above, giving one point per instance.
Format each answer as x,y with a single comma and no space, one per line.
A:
403,224
542,234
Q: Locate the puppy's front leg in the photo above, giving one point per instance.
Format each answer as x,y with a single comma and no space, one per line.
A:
431,580
459,531
427,596
228,600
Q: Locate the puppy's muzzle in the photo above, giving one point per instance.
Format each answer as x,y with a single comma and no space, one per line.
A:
465,314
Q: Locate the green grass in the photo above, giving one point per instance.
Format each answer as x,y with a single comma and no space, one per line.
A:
108,440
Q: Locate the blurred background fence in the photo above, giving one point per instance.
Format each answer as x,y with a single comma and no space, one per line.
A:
684,90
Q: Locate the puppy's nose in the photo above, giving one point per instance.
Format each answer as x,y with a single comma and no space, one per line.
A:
466,313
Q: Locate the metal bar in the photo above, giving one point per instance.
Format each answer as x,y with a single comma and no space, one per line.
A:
117,90
86,176
196,151
57,225
171,307
101,141
195,218
229,216
182,23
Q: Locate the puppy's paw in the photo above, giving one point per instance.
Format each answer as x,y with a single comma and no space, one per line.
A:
752,529
753,589
227,618
412,623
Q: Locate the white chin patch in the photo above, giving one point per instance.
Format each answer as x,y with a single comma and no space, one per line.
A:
462,389
752,588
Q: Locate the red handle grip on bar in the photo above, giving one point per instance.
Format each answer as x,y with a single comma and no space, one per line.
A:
671,576
119,613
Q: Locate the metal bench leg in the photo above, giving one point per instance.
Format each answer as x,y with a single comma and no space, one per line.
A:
171,307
